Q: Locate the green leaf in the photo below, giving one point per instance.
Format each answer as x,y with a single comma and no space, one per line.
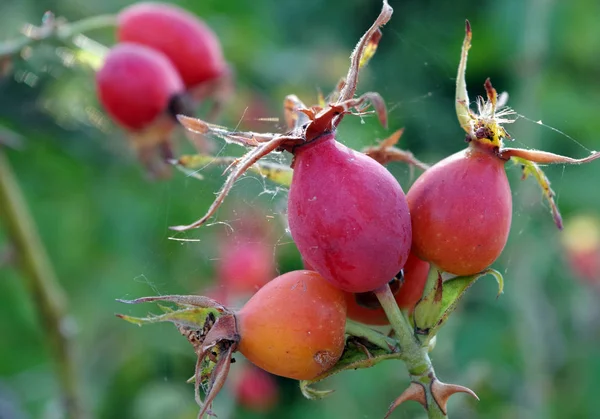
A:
427,311
355,356
454,289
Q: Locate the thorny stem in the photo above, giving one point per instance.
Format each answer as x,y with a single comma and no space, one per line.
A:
52,28
48,296
414,355
359,330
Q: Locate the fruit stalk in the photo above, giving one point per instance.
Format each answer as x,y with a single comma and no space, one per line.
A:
359,330
415,356
47,294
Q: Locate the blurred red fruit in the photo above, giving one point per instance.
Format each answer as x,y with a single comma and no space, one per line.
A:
188,42
246,264
136,84
256,389
581,240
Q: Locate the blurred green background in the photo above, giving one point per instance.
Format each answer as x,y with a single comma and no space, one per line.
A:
533,353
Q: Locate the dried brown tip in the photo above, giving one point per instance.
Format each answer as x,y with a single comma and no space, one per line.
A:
414,392
351,80
441,393
492,94
193,124
468,31
544,157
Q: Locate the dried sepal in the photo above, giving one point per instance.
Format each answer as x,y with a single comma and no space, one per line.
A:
544,157
275,172
463,112
212,331
304,124
240,168
293,118
386,152
351,80
532,169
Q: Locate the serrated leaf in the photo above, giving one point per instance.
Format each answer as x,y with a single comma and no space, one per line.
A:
454,289
354,357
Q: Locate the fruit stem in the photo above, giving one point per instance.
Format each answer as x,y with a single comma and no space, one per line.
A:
414,355
432,279
46,292
379,339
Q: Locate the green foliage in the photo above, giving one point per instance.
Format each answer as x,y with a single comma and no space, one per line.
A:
532,353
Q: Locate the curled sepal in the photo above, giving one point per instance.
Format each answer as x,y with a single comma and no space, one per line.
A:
427,311
195,312
364,47
277,173
357,354
415,392
453,290
532,169
464,114
212,331
386,152
544,157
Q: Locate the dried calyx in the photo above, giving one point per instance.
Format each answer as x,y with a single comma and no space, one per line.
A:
211,329
304,124
485,131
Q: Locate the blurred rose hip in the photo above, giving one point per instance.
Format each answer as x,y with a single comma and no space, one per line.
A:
136,85
256,390
188,42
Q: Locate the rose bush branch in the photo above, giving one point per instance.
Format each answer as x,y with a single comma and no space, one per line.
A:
425,387
53,28
46,292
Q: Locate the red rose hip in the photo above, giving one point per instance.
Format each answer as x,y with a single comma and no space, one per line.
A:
136,84
188,42
348,216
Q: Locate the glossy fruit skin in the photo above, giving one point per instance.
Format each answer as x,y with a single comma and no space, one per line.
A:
461,210
256,389
294,326
245,265
188,42
348,216
136,84
415,277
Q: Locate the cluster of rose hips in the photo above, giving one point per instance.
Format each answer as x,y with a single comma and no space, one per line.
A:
165,61
362,239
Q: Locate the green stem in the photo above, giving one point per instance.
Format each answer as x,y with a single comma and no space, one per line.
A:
414,354
379,339
61,31
48,296
432,278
